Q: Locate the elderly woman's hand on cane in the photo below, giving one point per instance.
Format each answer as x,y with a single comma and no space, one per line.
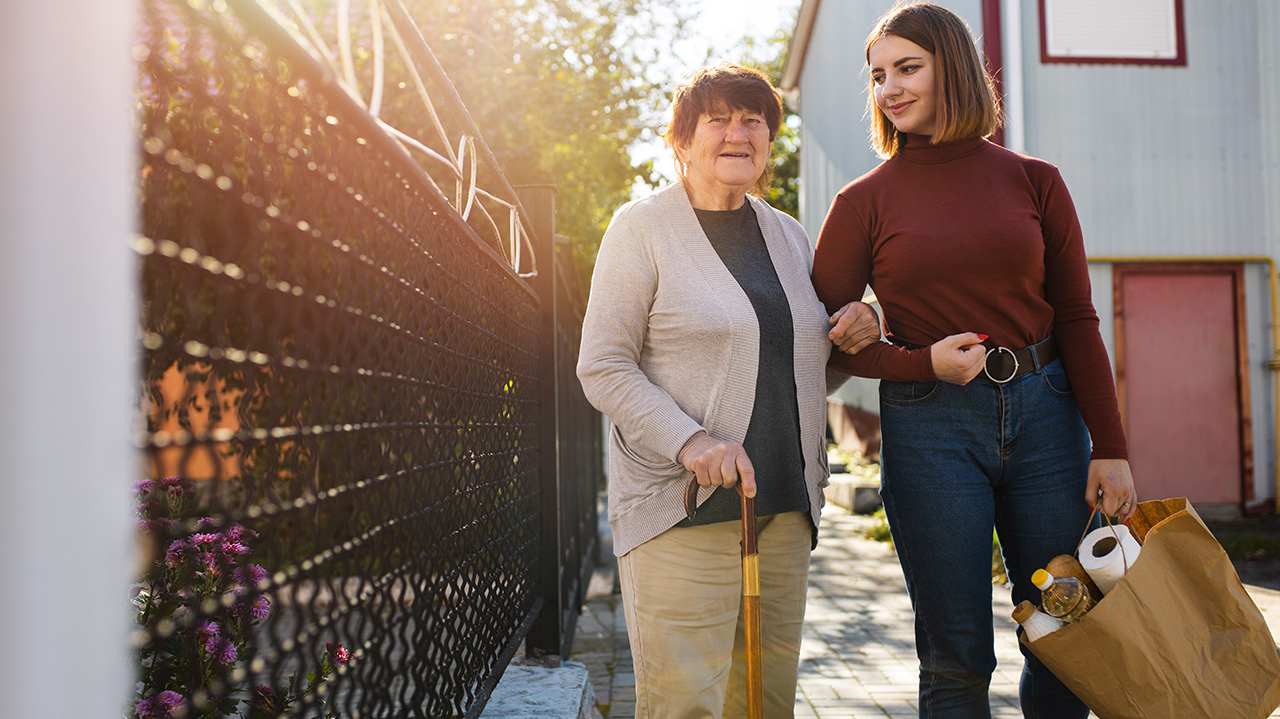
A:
717,463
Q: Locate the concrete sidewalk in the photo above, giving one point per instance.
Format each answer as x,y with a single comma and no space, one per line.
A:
858,658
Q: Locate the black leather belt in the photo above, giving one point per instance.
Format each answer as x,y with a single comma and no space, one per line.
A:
1005,365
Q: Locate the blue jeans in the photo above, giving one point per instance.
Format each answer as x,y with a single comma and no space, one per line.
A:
956,462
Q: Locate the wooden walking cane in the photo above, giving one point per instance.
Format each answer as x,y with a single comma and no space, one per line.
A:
750,595
751,607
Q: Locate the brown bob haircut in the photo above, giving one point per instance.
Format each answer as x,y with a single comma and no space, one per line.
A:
719,87
967,102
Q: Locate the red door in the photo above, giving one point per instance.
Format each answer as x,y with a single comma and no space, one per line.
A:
1179,343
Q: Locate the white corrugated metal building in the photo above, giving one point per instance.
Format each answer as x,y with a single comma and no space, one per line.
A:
1164,119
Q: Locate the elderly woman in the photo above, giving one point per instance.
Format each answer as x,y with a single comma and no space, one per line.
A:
706,346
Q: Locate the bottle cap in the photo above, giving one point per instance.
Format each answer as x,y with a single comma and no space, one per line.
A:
1023,611
1042,579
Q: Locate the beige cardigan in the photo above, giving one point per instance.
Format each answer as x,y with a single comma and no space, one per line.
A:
670,346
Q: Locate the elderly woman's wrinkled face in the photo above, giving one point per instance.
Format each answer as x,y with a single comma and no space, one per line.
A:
728,151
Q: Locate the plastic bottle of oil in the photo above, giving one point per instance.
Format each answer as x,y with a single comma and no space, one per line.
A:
1062,597
1065,565
1034,622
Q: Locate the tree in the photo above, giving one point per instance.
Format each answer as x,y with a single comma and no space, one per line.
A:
564,90
561,89
769,57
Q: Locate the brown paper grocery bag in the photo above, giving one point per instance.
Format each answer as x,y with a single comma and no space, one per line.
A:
1178,636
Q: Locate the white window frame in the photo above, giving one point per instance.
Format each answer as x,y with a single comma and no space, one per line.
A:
1135,32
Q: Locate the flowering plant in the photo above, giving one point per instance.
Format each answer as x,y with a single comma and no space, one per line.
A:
197,605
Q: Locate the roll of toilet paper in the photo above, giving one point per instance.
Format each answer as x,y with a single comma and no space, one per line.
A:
1106,553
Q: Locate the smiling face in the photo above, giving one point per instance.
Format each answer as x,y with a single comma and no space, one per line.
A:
903,79
725,157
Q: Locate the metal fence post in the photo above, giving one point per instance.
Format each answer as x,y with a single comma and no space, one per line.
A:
546,637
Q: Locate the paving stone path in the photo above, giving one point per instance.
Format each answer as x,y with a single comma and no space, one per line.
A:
858,657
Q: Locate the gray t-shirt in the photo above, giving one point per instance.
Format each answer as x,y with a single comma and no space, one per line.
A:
773,437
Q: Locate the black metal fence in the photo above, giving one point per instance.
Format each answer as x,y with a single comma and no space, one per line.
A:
356,505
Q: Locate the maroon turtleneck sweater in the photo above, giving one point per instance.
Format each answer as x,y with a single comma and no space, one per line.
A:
967,236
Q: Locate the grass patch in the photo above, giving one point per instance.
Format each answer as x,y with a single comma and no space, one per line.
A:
998,573
879,531
1250,546
855,463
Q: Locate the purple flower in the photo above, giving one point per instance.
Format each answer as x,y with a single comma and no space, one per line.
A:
173,555
250,576
206,538
143,486
338,653
207,631
263,698
258,608
222,649
161,706
169,702
178,486
236,533
233,547
261,607
211,565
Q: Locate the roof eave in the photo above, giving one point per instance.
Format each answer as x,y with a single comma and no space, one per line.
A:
798,48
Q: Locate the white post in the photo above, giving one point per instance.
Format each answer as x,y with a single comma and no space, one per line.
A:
1015,128
67,340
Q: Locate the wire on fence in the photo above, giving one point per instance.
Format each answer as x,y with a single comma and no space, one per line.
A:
339,381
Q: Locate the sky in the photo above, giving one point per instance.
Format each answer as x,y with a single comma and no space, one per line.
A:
720,25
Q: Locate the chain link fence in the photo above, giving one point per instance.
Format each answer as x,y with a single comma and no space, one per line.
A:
342,411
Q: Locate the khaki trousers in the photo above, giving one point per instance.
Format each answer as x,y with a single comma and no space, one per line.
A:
682,596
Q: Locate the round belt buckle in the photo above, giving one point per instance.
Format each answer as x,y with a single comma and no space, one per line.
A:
987,372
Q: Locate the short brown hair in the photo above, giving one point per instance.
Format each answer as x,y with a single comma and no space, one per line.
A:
716,87
968,104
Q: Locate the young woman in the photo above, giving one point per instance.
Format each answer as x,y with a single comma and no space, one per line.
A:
997,403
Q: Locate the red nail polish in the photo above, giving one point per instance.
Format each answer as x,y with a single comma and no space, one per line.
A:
982,337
